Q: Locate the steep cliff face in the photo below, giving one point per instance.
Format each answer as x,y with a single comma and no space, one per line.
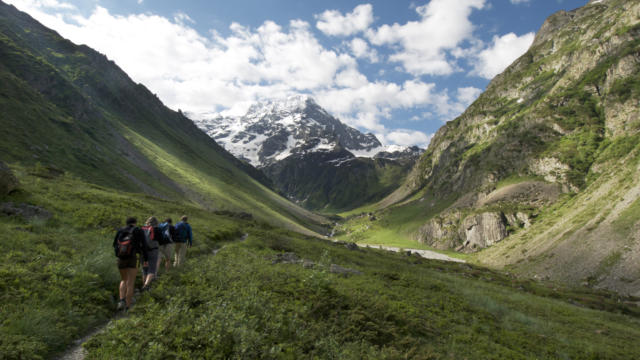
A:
564,116
548,113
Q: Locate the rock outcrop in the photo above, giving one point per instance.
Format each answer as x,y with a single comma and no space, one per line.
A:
8,181
471,232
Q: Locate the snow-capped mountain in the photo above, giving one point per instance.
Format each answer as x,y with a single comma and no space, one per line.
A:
272,131
310,156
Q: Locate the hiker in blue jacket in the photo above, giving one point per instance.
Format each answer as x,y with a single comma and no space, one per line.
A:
184,236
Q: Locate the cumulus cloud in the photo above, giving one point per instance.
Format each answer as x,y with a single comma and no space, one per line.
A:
503,51
216,73
332,22
443,26
407,137
360,49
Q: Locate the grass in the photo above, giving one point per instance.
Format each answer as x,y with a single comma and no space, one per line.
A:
61,279
239,304
58,278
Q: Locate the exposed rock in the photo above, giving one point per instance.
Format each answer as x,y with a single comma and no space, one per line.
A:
286,258
471,233
25,211
8,181
483,230
550,168
441,232
337,269
351,246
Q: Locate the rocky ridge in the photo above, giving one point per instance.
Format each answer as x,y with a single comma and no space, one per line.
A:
565,115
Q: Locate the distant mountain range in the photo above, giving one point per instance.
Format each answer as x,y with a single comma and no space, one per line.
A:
311,156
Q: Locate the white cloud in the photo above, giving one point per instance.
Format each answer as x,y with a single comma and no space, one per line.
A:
332,22
217,73
360,49
407,138
519,1
443,26
503,51
467,95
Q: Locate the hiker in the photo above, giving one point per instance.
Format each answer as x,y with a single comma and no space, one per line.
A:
184,236
152,235
168,232
128,245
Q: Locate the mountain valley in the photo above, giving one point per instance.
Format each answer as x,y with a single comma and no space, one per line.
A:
533,190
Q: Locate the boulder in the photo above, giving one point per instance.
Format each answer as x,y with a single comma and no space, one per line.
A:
351,246
286,258
8,181
25,211
337,269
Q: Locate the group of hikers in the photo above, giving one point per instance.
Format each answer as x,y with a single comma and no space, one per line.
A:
150,246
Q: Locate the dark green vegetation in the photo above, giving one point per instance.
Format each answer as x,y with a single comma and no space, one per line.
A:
69,107
336,181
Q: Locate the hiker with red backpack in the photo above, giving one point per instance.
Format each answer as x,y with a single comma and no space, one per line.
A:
184,236
128,245
152,235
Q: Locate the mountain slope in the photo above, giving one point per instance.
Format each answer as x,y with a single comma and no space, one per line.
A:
310,156
69,107
548,153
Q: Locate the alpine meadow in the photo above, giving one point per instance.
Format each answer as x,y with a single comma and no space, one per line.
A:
515,234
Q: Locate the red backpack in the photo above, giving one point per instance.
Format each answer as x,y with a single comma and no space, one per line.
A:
150,240
124,244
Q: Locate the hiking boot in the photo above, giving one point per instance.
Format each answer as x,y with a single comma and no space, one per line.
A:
122,304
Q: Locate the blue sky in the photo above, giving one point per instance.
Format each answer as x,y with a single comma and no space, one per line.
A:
398,69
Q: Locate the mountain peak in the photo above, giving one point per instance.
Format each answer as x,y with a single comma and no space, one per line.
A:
271,131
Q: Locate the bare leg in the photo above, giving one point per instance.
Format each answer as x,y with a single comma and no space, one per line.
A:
159,261
130,282
149,279
122,290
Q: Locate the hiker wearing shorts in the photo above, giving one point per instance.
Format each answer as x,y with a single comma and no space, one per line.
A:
168,232
129,246
184,238
152,235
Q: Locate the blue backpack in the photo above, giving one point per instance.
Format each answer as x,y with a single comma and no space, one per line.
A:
165,229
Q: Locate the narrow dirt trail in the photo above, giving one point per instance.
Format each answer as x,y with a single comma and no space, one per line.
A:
78,352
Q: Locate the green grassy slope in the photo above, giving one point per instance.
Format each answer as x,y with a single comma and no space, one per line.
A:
69,107
59,279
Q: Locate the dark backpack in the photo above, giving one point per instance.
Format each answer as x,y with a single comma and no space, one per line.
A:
150,240
183,234
167,237
124,245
